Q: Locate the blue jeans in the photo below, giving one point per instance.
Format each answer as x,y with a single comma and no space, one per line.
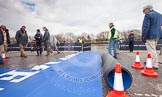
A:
113,46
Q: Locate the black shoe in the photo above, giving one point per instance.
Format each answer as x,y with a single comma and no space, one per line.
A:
155,68
160,62
25,56
115,57
58,52
47,55
7,57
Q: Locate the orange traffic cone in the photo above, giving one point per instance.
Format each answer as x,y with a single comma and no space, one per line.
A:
118,89
149,70
137,64
4,56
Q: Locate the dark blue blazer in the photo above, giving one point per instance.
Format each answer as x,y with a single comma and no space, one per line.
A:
151,28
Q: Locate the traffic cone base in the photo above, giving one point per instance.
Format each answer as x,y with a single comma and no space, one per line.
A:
116,94
149,72
137,65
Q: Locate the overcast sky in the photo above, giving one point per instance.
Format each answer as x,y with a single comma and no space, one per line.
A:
73,15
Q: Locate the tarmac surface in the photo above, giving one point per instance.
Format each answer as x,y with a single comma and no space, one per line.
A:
17,62
141,87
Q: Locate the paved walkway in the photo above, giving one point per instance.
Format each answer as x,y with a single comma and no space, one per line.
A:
17,62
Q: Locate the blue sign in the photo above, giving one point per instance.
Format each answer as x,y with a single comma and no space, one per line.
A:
61,47
76,75
138,45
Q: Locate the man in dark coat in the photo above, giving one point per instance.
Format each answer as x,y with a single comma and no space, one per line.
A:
22,40
38,38
131,42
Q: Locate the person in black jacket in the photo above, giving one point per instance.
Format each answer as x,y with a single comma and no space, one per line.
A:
131,42
38,37
4,38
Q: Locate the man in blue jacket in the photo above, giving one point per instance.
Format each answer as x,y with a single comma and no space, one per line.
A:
152,32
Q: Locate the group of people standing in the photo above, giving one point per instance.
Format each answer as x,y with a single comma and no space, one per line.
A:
22,40
151,34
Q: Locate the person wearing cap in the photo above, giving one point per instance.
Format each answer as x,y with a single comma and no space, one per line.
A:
113,40
4,38
22,40
151,32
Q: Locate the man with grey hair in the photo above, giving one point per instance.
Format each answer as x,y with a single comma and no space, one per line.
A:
151,32
22,40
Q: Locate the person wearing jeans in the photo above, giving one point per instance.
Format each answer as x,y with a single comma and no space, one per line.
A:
113,46
113,40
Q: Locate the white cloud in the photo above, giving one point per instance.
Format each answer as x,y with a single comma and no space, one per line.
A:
74,15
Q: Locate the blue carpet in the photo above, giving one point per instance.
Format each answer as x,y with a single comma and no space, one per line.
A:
77,75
